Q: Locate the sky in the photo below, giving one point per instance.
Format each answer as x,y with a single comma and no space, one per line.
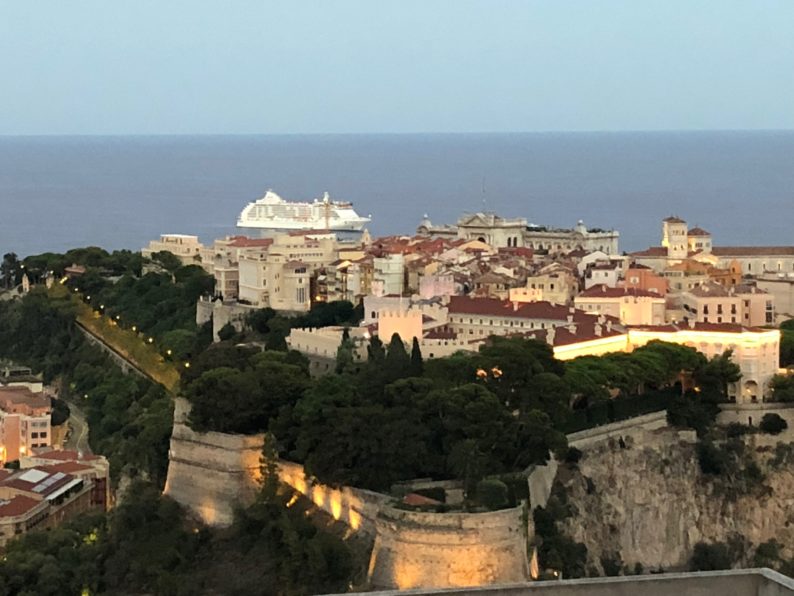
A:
383,66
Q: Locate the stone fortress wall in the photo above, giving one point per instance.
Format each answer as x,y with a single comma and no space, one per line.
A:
210,473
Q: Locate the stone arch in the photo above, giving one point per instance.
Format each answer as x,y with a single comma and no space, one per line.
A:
750,390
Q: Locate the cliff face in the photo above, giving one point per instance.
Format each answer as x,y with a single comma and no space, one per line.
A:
651,504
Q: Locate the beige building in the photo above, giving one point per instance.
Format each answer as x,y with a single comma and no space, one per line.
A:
500,232
558,286
714,303
679,243
630,305
781,288
187,248
24,422
281,276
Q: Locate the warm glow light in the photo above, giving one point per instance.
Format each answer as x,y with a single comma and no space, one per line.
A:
336,505
293,500
187,364
168,351
134,328
151,340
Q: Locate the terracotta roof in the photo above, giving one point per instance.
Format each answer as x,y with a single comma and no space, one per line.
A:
505,308
67,467
673,219
17,505
753,251
563,336
602,291
245,242
653,251
19,395
698,232
38,481
414,500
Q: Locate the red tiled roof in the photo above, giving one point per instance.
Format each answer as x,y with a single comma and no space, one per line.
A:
245,242
713,327
698,232
67,467
505,308
582,333
17,505
653,251
753,251
674,219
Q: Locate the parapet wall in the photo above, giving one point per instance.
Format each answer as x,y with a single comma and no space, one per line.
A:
444,550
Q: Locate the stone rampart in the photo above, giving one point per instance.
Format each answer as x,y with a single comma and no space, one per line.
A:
428,550
210,473
635,427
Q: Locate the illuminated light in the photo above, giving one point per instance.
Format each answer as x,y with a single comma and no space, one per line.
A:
168,351
88,297
187,364
151,340
354,518
336,505
318,495
496,372
134,328
118,317
481,373
101,307
85,396
293,500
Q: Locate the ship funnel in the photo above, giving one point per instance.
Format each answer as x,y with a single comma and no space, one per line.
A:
326,197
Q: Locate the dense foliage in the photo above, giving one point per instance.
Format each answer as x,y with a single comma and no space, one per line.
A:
147,545
129,418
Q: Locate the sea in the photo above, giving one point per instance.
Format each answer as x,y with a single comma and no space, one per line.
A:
58,193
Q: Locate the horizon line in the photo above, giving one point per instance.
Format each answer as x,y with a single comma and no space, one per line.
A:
405,133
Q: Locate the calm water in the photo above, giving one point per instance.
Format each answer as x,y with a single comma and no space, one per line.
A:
119,192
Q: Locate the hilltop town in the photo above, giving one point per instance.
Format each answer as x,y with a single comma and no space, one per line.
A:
431,408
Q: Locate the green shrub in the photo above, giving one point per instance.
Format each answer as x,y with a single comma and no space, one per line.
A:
712,460
492,493
773,424
573,455
737,429
710,557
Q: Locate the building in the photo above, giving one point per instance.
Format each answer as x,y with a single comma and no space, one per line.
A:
87,466
478,318
38,498
557,285
781,288
500,232
644,278
389,275
281,276
679,243
24,422
630,305
186,248
714,303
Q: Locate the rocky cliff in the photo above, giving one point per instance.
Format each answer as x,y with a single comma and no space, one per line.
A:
651,504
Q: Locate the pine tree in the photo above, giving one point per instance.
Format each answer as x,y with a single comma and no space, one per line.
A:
417,367
397,362
376,353
344,354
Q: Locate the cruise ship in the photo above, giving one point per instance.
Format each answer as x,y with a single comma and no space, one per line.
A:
271,212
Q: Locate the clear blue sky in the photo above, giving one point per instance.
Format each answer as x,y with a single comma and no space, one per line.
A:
235,66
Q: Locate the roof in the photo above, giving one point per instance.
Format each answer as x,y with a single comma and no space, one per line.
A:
752,251
653,251
67,455
67,467
245,242
705,327
602,291
19,395
17,505
506,308
673,219
698,232
40,482
439,333
563,336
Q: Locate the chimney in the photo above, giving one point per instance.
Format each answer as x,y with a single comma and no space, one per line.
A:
597,330
550,334
515,306
572,329
609,326
691,324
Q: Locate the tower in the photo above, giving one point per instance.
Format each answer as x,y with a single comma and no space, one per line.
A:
674,237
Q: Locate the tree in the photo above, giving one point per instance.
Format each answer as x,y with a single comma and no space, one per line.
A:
717,374
376,353
773,424
710,557
397,362
227,332
782,387
168,260
9,270
417,366
344,353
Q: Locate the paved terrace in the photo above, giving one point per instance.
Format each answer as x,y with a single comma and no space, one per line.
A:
738,582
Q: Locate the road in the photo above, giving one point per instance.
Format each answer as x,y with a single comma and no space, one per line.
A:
78,439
